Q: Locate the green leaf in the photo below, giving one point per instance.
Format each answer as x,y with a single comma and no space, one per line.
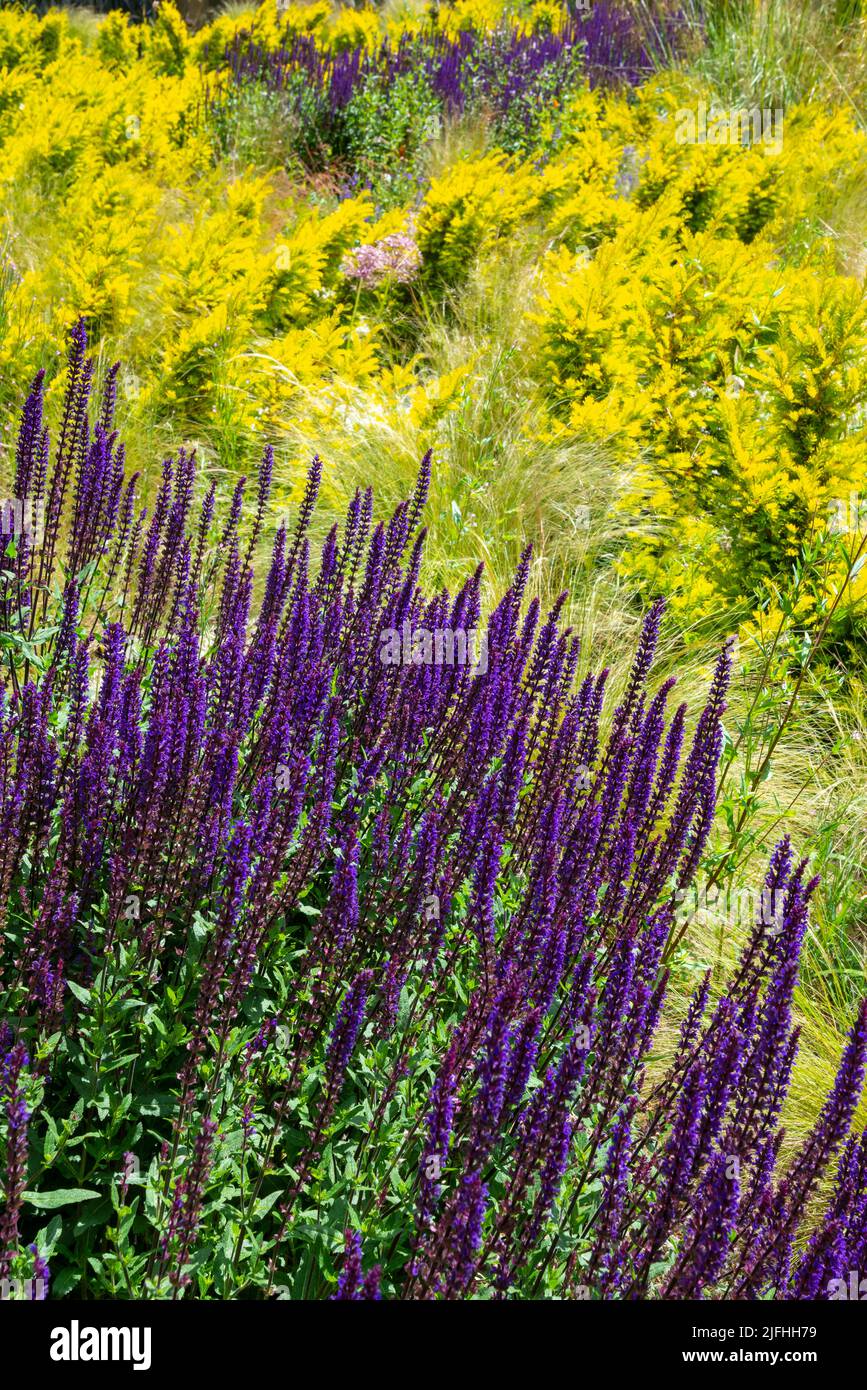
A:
47,1047
161,1105
52,1140
66,1280
48,1237
265,1204
61,1197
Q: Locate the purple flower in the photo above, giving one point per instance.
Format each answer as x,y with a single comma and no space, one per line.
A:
12,1067
395,257
218,806
352,1283
345,1032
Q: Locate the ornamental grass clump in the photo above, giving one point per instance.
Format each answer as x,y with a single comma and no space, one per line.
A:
325,975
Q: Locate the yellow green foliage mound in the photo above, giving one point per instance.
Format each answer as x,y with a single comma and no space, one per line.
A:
682,307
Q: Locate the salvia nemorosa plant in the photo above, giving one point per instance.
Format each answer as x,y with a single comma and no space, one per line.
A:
511,76
332,960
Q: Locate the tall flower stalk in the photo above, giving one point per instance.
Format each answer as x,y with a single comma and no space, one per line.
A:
352,943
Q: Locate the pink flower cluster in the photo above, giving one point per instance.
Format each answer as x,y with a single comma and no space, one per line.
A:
395,257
